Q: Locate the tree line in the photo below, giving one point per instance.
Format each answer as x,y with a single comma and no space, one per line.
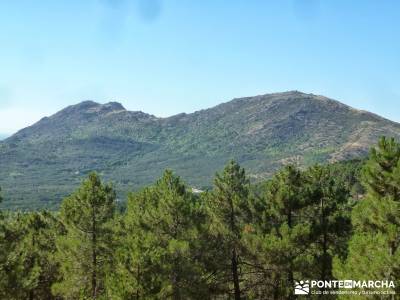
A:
234,241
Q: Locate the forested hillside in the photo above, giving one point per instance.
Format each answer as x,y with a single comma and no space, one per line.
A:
43,163
234,241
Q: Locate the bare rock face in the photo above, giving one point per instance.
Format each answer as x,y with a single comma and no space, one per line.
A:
42,163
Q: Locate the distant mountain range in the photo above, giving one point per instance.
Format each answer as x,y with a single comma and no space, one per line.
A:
41,164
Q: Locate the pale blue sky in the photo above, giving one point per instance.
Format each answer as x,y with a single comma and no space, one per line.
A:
169,56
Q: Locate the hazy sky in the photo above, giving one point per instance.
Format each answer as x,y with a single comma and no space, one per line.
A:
169,56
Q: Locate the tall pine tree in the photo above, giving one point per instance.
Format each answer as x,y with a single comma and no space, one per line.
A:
85,251
329,211
374,249
229,211
159,256
280,243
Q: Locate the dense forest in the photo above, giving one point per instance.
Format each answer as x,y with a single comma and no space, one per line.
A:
235,241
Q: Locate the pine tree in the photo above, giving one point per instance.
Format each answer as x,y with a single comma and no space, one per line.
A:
159,255
229,211
286,196
329,216
26,266
280,244
374,249
85,251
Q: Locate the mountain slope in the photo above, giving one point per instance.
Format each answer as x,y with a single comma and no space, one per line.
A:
42,163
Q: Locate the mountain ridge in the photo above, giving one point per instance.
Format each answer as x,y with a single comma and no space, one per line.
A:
132,148
83,105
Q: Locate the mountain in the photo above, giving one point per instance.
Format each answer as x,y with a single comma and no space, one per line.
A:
42,163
